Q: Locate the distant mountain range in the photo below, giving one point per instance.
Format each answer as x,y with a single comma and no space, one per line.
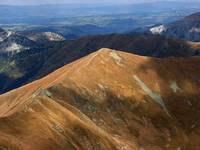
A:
68,32
74,21
44,37
30,14
187,28
108,100
14,42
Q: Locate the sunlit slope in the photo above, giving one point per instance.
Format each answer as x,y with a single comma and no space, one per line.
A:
107,100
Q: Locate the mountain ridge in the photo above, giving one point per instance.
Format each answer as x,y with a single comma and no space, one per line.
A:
86,106
36,63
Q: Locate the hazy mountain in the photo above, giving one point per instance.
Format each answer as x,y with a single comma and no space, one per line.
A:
44,37
68,32
16,43
75,27
12,42
108,100
4,34
187,28
74,21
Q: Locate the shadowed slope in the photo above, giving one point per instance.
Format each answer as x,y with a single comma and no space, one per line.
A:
152,45
36,63
107,100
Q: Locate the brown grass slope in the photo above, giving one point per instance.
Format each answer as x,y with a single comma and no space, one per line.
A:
108,100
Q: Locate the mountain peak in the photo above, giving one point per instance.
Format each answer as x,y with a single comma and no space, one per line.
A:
104,96
102,50
43,37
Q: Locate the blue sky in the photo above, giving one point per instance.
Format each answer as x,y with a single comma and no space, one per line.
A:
35,2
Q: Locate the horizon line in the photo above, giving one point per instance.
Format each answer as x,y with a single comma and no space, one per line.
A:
98,3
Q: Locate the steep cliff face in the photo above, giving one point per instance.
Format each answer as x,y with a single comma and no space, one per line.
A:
107,100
